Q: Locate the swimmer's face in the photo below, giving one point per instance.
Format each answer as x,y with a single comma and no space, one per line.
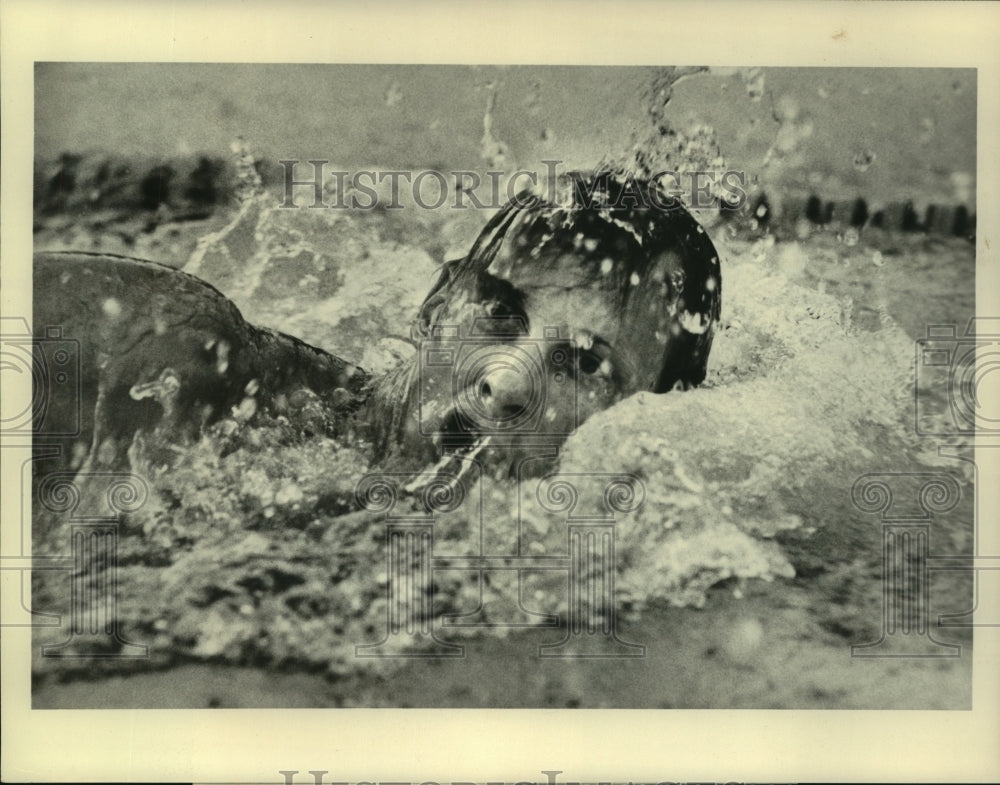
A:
566,313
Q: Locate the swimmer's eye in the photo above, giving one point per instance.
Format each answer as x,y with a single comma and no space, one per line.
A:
596,360
589,363
504,320
500,311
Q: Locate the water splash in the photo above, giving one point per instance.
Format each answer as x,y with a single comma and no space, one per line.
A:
493,151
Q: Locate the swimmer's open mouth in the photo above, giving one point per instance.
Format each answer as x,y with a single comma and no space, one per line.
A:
458,448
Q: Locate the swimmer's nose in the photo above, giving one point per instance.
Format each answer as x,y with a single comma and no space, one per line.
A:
505,393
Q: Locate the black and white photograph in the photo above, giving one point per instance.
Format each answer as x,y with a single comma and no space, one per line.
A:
439,385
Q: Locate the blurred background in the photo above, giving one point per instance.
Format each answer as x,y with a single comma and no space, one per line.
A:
884,134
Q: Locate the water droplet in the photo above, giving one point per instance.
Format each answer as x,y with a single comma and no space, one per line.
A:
393,94
634,279
112,308
787,109
606,265
222,357
927,129
864,160
753,78
533,99
289,494
246,409
694,323
963,184
744,639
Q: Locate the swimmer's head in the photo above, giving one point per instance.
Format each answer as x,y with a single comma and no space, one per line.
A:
568,301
